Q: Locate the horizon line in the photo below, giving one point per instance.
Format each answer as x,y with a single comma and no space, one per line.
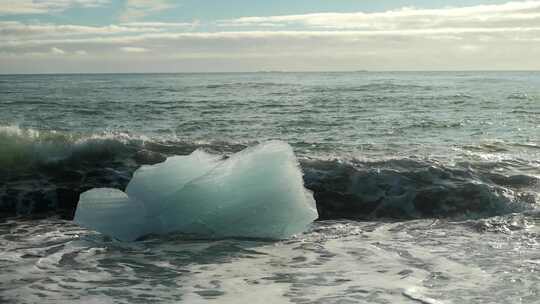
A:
266,72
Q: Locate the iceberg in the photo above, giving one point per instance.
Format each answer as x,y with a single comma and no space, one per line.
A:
256,193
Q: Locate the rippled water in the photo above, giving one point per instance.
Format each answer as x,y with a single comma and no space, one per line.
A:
438,174
379,114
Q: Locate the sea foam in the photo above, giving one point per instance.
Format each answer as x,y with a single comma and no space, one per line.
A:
257,192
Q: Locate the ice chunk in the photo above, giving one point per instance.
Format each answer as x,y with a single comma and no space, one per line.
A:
257,192
112,212
151,184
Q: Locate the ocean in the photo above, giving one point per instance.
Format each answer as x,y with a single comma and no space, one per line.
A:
427,186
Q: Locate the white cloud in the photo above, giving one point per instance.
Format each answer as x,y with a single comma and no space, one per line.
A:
20,31
470,48
57,51
265,38
476,37
420,44
162,24
132,49
511,14
136,9
19,7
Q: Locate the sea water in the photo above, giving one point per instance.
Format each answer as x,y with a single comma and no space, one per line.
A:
426,183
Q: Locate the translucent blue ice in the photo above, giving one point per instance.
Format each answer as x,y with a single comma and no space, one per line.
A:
258,192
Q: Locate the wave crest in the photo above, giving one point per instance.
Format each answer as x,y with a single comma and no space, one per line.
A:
406,189
22,148
44,172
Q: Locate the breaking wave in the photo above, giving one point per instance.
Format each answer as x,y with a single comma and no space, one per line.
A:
42,173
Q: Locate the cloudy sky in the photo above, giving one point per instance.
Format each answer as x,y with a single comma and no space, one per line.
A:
55,36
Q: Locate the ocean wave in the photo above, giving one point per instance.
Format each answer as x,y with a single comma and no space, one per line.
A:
518,96
407,189
432,124
372,87
23,148
43,173
246,84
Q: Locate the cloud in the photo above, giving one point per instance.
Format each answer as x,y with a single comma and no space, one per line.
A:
18,30
262,39
137,9
511,14
57,51
501,36
24,7
132,49
161,24
470,48
347,44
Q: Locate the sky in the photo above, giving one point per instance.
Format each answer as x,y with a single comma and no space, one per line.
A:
123,36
